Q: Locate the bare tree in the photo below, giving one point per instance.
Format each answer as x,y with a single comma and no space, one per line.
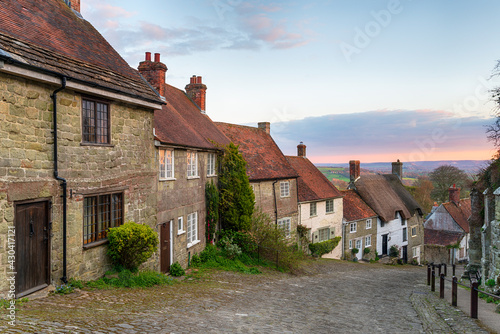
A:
443,178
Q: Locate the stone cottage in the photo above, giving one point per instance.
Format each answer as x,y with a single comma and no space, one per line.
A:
77,151
187,146
273,180
320,202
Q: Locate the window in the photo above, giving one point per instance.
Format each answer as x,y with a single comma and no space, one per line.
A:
180,225
405,234
285,189
99,214
368,241
324,234
192,164
359,244
285,224
413,231
95,122
368,223
329,206
192,229
166,164
211,164
312,209
353,227
350,244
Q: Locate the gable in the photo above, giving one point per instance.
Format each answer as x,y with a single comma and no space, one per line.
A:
355,208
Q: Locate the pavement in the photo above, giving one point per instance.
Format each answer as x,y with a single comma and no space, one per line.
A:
326,296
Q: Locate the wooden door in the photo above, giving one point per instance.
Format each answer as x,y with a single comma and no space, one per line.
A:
405,254
32,247
165,247
384,244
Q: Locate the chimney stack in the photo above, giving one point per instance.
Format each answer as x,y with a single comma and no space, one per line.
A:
397,169
73,4
197,92
266,126
301,150
154,72
454,194
354,170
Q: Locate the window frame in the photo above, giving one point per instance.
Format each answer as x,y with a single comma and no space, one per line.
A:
94,118
353,227
322,231
211,165
192,236
284,189
313,209
350,243
96,224
286,224
368,240
180,225
368,223
332,206
166,164
413,235
360,240
192,166
405,234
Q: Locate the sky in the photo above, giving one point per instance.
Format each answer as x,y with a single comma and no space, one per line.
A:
367,80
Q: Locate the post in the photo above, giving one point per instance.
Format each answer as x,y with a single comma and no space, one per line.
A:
454,291
454,269
439,265
433,282
445,269
428,274
441,286
473,300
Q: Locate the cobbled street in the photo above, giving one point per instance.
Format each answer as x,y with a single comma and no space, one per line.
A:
327,297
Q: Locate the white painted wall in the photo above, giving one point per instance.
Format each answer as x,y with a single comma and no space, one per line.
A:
394,229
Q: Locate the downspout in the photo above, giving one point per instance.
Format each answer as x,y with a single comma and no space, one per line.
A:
63,184
275,202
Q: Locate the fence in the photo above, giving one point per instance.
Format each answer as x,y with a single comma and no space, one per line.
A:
474,286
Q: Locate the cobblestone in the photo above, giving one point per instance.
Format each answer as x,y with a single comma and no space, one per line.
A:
327,297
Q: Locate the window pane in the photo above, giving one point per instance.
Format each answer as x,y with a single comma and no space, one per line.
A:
162,164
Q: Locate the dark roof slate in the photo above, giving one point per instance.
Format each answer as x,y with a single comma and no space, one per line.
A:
460,213
355,208
50,36
265,161
312,184
441,237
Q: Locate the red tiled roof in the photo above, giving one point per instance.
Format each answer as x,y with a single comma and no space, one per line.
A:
180,122
355,208
441,237
460,213
265,161
312,184
49,35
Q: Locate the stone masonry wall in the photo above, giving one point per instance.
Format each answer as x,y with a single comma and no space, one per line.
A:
417,240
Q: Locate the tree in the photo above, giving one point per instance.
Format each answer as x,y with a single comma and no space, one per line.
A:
421,192
443,178
493,131
236,196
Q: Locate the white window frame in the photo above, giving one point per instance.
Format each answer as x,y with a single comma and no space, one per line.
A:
353,227
325,232
350,244
192,229
313,209
285,189
368,241
192,164
413,228
180,225
332,205
405,234
286,225
368,224
165,162
360,241
414,251
211,164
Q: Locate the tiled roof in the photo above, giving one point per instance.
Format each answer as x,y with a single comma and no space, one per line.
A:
180,122
379,194
50,36
312,184
442,238
265,161
460,213
355,208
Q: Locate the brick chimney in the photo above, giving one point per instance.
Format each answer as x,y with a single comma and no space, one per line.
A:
397,169
354,170
154,72
197,92
74,4
266,126
301,150
454,194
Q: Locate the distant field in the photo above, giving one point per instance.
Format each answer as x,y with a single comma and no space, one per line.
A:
330,173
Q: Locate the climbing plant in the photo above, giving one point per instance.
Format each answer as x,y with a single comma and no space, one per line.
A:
212,202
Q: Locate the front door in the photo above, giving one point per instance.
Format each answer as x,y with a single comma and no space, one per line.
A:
32,247
165,245
405,254
359,246
384,244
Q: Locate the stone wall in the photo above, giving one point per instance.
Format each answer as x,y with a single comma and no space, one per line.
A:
361,232
26,168
416,240
437,254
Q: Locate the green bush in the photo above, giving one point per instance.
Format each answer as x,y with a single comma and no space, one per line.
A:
231,250
366,250
394,251
321,248
490,282
131,244
176,270
195,260
355,251
209,253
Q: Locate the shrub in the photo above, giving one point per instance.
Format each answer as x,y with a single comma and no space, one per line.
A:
209,253
376,256
212,204
394,251
231,250
131,244
176,270
195,260
366,250
490,283
355,251
321,248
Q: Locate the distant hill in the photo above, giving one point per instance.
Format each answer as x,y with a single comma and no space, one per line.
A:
424,167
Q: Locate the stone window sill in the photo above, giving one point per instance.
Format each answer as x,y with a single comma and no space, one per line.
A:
193,243
95,244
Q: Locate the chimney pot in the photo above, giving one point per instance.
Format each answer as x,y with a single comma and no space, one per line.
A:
354,170
197,92
301,150
266,126
157,57
148,56
198,80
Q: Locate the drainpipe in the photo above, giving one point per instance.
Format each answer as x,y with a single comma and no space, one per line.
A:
63,184
275,202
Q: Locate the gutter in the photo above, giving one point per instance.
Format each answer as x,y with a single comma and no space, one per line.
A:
63,184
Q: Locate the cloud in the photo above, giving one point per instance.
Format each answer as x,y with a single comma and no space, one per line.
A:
418,134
